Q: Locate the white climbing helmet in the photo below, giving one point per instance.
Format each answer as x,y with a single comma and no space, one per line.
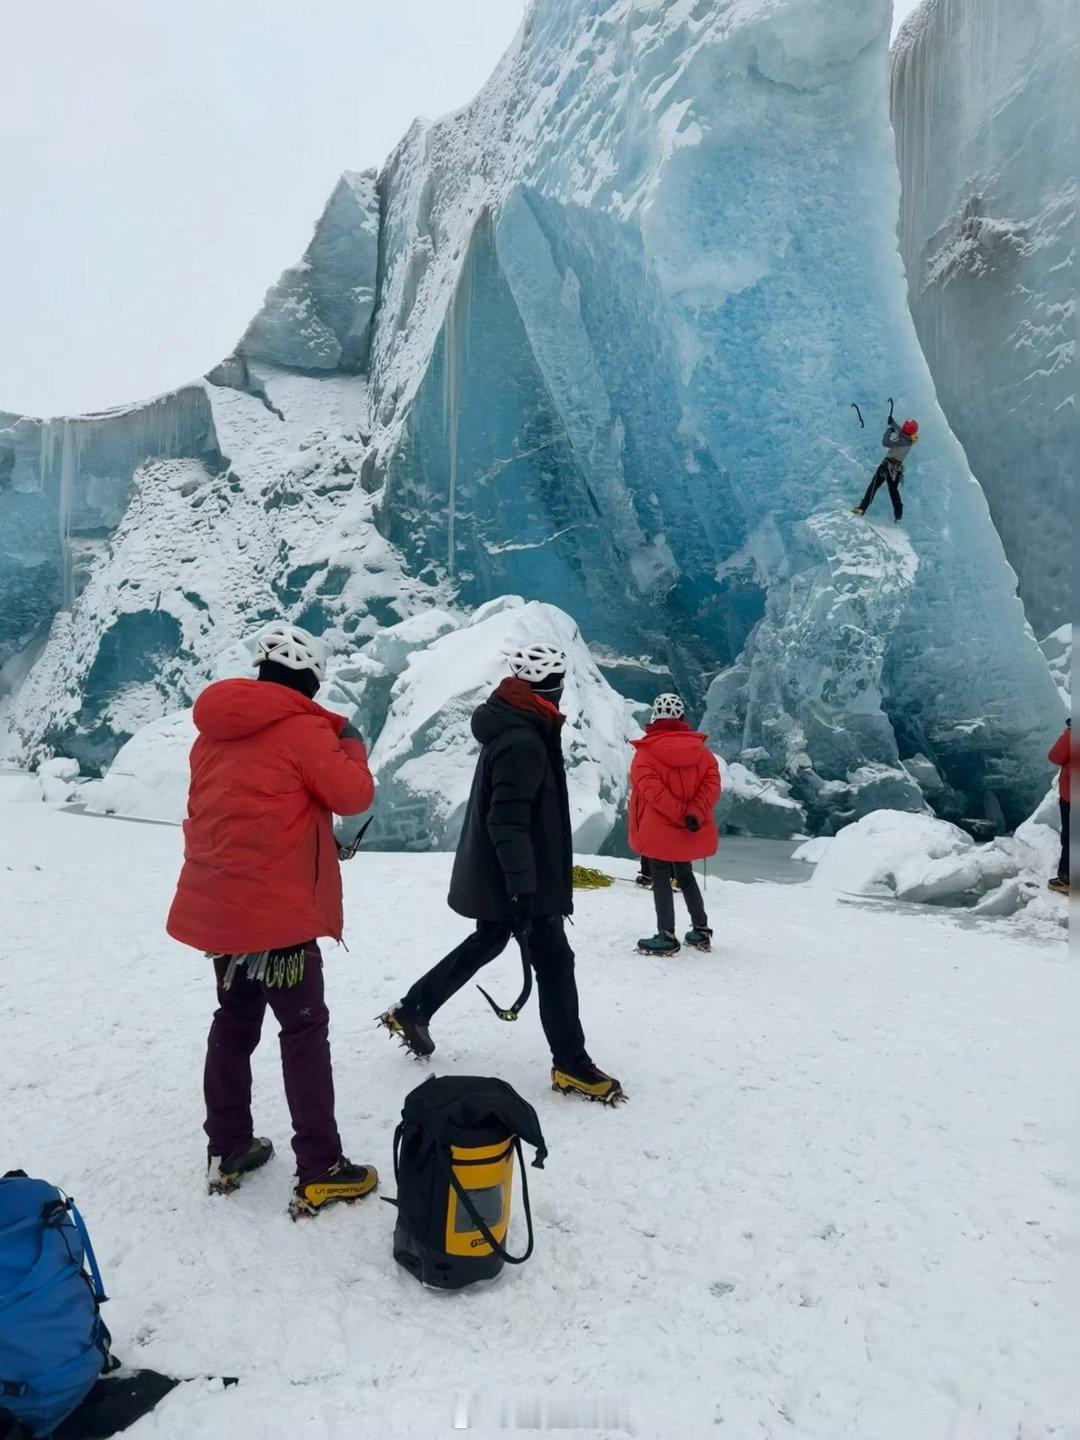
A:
535,663
668,707
292,647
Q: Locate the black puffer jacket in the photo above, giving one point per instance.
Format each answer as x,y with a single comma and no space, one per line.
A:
516,836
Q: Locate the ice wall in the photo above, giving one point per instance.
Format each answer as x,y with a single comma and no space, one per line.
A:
627,298
984,106
64,487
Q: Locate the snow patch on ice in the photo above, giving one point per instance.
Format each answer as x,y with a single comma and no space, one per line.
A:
425,755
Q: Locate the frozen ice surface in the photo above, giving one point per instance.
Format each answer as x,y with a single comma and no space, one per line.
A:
425,756
621,306
987,138
832,1241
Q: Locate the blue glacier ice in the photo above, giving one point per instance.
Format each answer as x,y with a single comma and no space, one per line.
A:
622,304
318,315
984,105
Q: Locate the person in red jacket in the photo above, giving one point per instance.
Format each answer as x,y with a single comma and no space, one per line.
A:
674,787
260,883
1061,754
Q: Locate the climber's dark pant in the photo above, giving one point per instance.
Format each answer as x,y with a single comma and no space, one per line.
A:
889,473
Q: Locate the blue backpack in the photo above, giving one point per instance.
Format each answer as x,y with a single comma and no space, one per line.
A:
53,1344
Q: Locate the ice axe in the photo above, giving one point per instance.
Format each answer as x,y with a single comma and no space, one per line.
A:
346,852
526,985
858,412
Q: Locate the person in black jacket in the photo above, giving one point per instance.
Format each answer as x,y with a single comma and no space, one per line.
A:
513,870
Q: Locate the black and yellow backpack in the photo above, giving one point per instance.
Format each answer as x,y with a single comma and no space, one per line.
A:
454,1166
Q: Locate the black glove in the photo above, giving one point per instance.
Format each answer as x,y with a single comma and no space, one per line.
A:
349,732
692,823
521,915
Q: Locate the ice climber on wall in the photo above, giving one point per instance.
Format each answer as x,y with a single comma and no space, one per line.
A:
260,883
513,870
674,787
898,441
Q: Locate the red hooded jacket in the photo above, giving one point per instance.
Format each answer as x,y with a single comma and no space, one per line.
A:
673,775
260,863
1061,754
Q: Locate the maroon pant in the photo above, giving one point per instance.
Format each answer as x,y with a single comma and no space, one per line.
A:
305,1062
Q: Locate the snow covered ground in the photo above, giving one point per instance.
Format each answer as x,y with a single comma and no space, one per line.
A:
832,1207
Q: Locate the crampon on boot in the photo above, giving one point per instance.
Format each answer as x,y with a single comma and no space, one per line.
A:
223,1176
645,881
659,944
589,1082
413,1034
1058,885
699,938
344,1181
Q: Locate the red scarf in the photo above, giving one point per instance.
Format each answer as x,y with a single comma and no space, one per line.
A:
522,696
669,722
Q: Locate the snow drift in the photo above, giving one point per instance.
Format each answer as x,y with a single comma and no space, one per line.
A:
622,303
922,859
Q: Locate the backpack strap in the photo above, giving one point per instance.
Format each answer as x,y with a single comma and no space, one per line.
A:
481,1224
91,1258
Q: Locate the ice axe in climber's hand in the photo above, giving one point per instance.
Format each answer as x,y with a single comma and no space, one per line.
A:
521,926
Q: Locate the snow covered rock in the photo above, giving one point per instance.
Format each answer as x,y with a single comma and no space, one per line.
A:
984,110
425,756
148,780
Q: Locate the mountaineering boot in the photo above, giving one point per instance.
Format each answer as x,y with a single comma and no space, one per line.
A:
857,510
645,881
343,1181
589,1082
1058,885
223,1176
659,944
700,938
412,1033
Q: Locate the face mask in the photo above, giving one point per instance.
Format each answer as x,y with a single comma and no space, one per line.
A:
551,696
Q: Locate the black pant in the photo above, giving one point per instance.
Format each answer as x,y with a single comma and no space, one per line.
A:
553,961
662,871
1063,863
889,475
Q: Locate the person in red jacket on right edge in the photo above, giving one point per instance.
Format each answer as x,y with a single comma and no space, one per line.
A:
674,787
1061,754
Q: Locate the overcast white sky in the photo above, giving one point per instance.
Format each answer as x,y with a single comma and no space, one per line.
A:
163,162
